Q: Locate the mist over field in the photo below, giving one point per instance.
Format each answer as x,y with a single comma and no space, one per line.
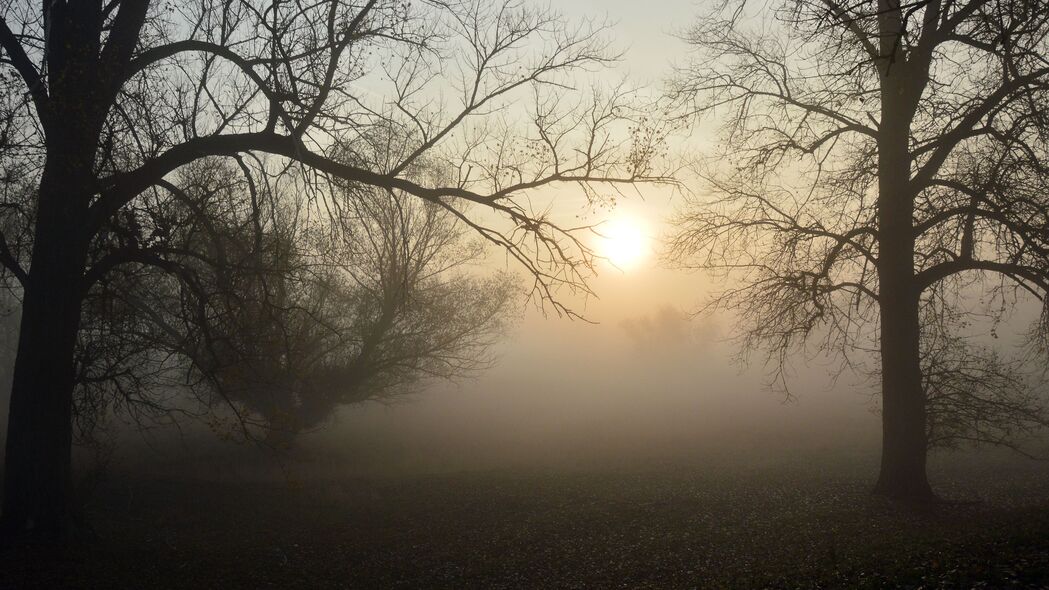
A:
645,384
642,382
514,294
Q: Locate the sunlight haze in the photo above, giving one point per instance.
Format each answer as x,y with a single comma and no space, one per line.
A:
524,294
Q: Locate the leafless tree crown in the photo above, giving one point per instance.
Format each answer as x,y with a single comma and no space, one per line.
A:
793,214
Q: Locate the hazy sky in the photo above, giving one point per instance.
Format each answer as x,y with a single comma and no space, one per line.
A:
644,29
642,382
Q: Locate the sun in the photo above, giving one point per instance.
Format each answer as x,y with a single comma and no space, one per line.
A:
622,242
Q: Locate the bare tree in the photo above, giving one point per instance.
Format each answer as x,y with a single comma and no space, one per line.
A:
371,312
103,101
880,161
267,309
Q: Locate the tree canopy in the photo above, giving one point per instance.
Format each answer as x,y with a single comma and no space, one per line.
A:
880,163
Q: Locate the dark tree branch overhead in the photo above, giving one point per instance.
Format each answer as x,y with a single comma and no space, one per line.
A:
31,77
8,260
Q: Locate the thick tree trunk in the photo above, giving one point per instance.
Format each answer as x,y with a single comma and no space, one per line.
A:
39,434
904,448
37,466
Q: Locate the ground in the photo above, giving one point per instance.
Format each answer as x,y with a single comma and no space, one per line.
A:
798,523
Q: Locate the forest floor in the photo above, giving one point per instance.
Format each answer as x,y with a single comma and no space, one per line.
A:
803,523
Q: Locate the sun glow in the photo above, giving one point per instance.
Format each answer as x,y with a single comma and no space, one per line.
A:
622,242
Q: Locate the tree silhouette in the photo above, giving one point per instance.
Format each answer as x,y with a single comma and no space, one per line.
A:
267,309
104,101
881,160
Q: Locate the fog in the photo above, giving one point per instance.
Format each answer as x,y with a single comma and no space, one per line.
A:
642,380
591,396
639,379
363,294
638,382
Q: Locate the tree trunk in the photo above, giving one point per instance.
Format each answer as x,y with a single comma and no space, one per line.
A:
39,435
904,448
37,465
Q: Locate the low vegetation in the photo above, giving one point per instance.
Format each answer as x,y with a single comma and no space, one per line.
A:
805,523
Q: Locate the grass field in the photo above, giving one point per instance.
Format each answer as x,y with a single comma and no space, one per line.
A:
798,523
